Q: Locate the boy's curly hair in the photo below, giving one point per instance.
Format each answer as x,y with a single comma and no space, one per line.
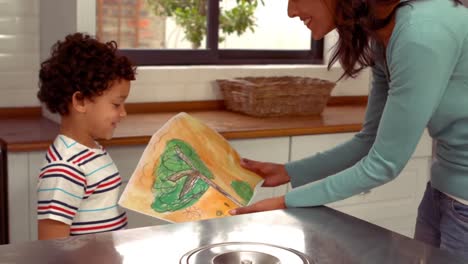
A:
82,64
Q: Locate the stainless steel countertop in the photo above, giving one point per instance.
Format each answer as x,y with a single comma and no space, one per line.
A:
323,234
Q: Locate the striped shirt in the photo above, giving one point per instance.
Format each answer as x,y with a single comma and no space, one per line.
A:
79,186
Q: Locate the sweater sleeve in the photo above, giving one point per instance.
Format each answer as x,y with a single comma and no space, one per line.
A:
345,155
421,61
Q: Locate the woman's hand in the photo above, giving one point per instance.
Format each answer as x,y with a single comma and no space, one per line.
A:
274,174
264,205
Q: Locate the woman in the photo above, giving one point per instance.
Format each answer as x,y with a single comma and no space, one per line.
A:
418,51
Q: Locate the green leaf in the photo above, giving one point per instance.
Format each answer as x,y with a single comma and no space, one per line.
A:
168,192
191,16
242,189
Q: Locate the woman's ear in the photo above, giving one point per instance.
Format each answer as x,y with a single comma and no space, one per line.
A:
79,102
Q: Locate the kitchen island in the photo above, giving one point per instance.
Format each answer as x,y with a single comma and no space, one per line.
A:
299,235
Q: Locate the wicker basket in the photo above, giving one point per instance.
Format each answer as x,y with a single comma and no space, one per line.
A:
276,96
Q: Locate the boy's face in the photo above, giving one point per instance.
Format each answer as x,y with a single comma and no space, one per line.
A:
105,111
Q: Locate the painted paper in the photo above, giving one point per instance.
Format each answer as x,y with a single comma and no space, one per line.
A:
188,172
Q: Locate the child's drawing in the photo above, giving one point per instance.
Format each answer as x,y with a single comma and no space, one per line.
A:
188,172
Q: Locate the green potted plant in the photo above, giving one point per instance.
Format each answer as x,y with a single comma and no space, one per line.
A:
191,16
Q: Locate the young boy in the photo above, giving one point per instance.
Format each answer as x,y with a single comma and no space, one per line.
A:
86,82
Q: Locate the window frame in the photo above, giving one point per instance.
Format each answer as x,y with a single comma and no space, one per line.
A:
212,55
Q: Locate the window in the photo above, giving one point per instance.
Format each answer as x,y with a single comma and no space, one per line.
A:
201,32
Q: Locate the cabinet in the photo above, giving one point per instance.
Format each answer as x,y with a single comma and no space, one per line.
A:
23,170
18,196
4,237
392,206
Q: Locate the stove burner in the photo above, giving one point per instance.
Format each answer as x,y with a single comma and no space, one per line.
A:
244,253
245,257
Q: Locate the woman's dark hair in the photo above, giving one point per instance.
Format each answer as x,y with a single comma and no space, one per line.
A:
357,27
82,64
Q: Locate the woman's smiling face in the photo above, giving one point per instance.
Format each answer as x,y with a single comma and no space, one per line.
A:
317,15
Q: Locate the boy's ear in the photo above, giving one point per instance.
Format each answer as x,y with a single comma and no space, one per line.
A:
79,102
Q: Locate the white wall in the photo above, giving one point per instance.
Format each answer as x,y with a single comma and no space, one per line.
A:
19,52
196,83
30,30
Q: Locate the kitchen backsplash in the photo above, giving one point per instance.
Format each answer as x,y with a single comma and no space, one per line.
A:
19,52
196,82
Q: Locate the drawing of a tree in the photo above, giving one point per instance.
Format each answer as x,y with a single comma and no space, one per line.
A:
182,178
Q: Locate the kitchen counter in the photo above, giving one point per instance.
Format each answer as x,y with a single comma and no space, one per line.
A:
318,235
36,133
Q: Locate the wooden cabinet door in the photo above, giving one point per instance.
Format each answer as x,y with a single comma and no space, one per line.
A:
4,237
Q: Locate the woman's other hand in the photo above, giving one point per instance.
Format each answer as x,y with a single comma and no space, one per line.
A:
264,205
274,174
